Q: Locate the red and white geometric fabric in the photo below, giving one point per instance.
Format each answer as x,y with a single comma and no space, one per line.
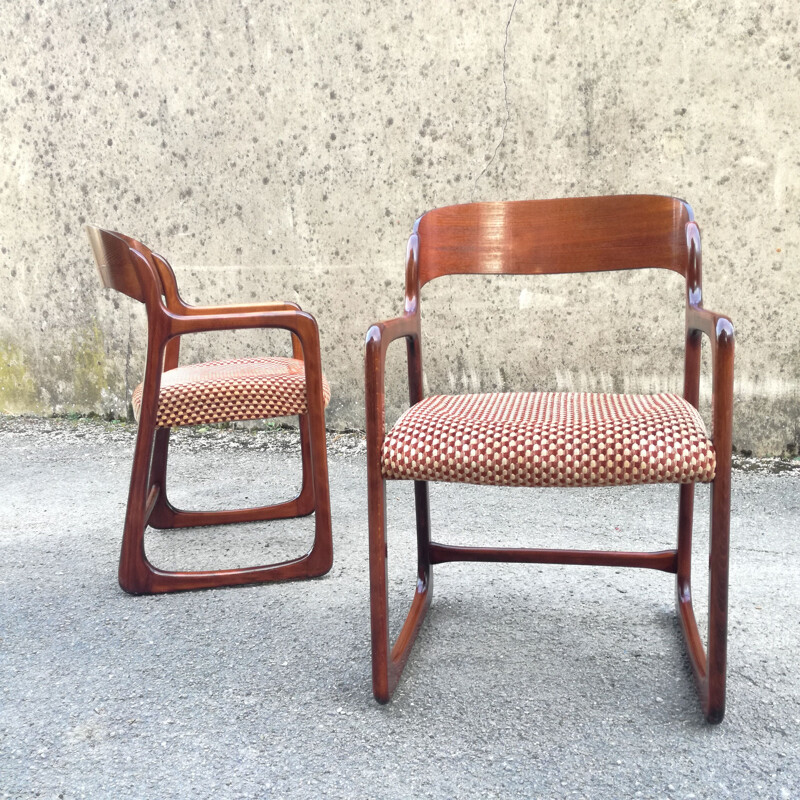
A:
550,439
224,391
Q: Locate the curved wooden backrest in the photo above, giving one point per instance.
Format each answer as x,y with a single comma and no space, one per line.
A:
118,270
169,286
130,267
581,234
112,255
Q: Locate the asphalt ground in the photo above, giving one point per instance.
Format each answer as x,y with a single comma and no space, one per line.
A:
526,681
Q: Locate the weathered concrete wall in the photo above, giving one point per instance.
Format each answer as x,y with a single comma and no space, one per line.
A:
278,150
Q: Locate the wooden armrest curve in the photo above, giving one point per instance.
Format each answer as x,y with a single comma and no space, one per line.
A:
382,334
246,308
298,322
716,326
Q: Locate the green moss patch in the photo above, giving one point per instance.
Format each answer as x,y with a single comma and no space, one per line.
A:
88,369
17,388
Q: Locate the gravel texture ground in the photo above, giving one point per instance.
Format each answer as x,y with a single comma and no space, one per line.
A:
526,681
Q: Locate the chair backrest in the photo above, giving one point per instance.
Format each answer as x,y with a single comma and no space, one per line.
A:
114,263
130,267
120,270
582,234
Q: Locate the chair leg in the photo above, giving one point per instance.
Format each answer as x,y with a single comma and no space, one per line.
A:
305,500
708,665
134,569
148,504
315,482
163,512
387,661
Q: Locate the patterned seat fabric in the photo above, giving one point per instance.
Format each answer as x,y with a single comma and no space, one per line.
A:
550,439
223,391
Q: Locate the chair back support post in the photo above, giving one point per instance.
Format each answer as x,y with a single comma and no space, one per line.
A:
169,290
411,305
168,283
174,303
158,338
416,394
694,299
413,343
719,558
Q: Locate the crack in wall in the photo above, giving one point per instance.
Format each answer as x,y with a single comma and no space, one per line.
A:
505,99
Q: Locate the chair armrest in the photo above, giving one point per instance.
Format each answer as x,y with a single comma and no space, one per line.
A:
221,319
720,332
247,308
166,327
716,326
379,337
207,312
286,317
382,334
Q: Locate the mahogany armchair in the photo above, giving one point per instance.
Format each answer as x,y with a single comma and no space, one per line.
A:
554,439
220,391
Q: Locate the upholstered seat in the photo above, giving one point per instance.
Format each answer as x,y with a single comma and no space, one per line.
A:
239,389
550,439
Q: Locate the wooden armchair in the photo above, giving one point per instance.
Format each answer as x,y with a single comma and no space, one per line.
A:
554,439
220,391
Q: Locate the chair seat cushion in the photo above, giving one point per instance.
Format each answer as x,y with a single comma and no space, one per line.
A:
224,391
550,439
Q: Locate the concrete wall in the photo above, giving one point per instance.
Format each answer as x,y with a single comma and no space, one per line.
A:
279,150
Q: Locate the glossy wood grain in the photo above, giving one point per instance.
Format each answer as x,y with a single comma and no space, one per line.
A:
128,266
387,660
586,234
709,666
546,237
664,560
